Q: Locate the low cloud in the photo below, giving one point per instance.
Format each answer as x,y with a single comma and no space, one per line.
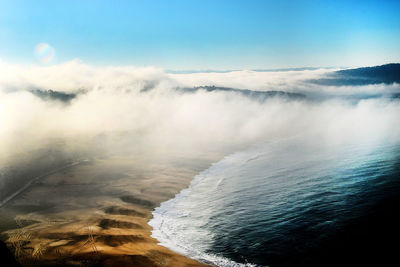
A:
128,108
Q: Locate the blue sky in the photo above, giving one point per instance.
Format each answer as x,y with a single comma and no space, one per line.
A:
204,34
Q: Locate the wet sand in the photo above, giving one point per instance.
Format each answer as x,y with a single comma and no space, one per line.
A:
96,213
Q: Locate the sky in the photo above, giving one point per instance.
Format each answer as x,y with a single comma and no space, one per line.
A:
199,35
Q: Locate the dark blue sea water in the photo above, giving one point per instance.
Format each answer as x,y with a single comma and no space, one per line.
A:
291,202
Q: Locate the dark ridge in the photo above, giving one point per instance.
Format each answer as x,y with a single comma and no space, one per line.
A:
285,69
53,95
65,236
232,70
388,74
137,201
149,85
118,240
121,211
197,71
107,223
257,95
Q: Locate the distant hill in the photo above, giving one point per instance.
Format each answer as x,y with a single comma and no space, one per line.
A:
53,95
256,95
389,73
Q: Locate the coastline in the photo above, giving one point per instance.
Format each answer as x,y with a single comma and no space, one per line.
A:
169,222
97,213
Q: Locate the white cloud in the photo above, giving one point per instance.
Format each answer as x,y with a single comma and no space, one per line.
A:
162,118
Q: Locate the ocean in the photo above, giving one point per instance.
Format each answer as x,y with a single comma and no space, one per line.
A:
308,164
298,201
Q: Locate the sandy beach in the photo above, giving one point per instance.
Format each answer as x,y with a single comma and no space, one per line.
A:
96,213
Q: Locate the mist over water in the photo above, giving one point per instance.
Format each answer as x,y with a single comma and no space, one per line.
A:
304,167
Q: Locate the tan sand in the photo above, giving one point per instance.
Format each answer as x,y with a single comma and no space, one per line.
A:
96,213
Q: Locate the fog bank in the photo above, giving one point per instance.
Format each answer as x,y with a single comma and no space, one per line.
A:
123,110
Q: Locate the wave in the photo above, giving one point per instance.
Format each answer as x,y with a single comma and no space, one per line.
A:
256,203
167,219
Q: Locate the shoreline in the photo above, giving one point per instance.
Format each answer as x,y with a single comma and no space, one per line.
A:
102,220
165,213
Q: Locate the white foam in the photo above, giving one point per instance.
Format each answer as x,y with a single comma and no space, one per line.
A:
169,220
